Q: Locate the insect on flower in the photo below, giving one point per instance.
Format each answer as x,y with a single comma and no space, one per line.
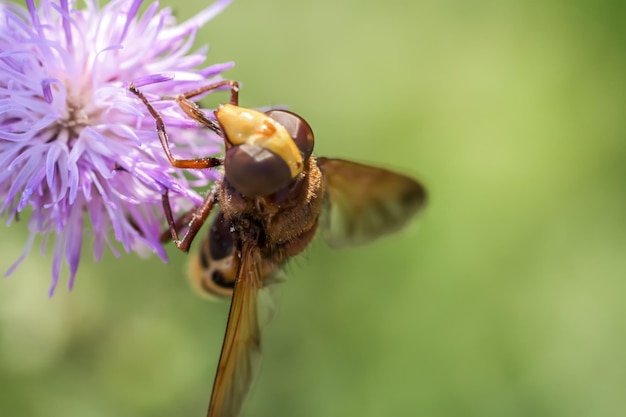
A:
273,197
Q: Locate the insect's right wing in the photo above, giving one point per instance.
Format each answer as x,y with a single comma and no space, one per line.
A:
242,342
365,202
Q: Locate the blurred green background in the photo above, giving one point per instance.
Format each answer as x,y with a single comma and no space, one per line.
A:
505,299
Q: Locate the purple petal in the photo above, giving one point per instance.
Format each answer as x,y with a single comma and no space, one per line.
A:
73,140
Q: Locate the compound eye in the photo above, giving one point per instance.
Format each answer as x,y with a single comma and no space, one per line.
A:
298,129
255,171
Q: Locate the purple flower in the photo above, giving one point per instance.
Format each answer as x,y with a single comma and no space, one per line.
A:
78,152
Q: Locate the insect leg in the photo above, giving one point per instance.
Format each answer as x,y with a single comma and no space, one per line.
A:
194,219
184,219
234,90
198,163
192,110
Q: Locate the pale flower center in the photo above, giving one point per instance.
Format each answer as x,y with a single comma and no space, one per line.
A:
68,128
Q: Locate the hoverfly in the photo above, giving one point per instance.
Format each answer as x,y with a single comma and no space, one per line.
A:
273,197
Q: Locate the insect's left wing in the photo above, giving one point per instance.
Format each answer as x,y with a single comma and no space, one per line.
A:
242,342
365,202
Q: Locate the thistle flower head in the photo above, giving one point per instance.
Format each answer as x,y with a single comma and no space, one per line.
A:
78,152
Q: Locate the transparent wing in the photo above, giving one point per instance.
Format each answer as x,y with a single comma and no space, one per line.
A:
242,342
364,202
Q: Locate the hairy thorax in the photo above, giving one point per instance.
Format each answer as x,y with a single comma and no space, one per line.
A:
282,223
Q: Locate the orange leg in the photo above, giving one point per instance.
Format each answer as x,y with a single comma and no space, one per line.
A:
199,163
196,217
192,110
